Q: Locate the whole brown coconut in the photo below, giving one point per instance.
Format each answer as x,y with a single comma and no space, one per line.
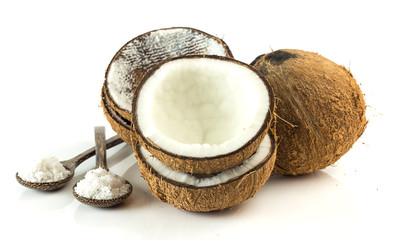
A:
320,109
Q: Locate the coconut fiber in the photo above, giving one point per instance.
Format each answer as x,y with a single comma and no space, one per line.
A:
320,109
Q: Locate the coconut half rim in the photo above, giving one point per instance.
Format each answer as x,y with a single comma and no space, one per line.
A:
190,180
202,110
143,52
120,125
211,193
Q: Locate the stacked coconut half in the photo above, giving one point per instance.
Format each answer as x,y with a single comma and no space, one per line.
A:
197,119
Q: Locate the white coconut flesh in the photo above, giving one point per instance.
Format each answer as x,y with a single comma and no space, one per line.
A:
202,107
150,49
185,178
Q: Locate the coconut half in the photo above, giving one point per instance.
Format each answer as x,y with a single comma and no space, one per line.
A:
320,109
202,114
140,54
208,193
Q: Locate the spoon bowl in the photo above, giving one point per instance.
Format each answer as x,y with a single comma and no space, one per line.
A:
103,203
45,186
101,162
70,165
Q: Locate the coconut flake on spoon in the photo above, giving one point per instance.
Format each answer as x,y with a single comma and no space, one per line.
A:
49,174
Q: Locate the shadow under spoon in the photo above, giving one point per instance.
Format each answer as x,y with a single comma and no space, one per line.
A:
70,165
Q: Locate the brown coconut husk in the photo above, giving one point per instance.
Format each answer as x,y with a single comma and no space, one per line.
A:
320,109
120,125
211,198
153,57
202,165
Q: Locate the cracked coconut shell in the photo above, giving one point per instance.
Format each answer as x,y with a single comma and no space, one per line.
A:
320,109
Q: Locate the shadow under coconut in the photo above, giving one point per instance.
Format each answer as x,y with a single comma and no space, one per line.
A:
313,196
284,195
220,213
141,195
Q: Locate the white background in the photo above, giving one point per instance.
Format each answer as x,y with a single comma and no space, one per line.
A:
53,56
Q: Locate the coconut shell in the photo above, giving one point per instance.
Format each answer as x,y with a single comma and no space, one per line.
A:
202,165
120,125
320,109
211,198
149,56
114,108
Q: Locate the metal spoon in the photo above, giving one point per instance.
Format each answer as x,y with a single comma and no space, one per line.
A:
101,162
70,165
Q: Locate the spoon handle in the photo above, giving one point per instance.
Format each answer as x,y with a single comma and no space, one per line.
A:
80,158
100,146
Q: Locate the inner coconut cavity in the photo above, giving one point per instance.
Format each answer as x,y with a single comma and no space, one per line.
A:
202,107
185,178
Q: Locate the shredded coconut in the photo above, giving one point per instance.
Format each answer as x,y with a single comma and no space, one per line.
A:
48,169
140,54
101,184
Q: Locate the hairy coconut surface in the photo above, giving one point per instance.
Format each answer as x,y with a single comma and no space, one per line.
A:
320,109
140,54
202,114
210,193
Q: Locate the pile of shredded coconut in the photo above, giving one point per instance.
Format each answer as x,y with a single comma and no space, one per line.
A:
101,184
48,169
